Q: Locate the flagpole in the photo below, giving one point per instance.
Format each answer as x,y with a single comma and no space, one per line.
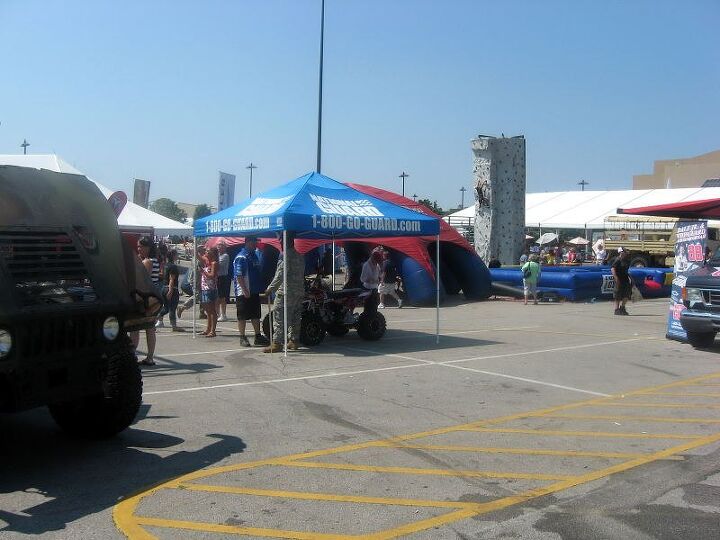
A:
320,87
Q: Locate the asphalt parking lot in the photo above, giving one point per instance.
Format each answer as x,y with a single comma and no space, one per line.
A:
551,421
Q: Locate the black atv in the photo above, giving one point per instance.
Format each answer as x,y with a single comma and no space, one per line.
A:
70,290
333,312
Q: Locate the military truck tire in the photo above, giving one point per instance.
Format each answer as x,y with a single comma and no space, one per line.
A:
108,413
701,340
312,329
639,261
371,325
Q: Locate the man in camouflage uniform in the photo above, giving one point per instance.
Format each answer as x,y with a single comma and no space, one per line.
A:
295,295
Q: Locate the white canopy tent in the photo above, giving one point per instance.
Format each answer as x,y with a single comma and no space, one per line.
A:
133,216
589,209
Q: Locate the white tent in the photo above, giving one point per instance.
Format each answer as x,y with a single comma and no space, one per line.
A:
133,216
589,209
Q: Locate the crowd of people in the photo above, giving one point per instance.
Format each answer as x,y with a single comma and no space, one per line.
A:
210,282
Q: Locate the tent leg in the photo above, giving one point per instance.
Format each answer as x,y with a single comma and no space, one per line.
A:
333,263
437,290
285,306
194,284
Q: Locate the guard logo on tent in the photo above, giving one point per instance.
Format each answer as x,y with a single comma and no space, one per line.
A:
361,207
263,206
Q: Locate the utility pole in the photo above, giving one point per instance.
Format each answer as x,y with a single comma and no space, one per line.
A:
24,145
251,167
320,87
582,184
414,197
462,197
404,175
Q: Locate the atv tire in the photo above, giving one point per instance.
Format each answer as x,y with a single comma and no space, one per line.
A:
312,329
338,329
114,408
371,326
701,340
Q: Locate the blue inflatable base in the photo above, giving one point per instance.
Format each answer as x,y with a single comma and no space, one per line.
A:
588,282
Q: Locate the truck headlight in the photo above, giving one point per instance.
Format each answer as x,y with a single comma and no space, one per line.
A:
111,328
6,343
692,296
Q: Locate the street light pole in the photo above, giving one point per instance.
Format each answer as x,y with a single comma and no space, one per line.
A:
24,145
320,87
462,197
251,167
404,175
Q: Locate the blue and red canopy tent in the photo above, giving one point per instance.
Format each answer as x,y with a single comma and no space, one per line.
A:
315,206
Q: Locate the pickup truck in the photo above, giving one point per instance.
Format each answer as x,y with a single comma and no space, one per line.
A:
701,298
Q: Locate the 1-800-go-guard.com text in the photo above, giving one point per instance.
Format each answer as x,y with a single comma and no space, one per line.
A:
322,221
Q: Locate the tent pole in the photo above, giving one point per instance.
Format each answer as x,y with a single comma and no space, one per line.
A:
437,290
285,307
194,284
333,262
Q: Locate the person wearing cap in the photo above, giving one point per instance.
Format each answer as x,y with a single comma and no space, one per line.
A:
623,283
248,286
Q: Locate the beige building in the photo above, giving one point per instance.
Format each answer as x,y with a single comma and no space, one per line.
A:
189,209
681,173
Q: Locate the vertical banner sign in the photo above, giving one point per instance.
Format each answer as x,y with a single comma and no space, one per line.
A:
141,192
226,190
689,256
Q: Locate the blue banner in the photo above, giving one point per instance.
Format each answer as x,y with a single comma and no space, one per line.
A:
689,256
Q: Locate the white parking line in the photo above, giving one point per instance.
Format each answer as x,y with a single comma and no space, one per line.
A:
288,379
532,381
541,351
420,363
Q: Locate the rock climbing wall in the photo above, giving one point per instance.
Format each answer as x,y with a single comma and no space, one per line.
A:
499,170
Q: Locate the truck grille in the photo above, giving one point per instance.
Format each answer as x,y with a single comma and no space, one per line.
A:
711,297
46,267
54,336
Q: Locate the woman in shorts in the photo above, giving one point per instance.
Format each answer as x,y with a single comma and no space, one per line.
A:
209,291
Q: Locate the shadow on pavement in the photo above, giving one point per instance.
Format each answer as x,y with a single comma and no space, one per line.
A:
165,367
78,478
398,342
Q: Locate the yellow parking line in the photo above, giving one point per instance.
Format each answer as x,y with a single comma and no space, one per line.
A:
519,451
333,497
499,504
558,433
132,525
429,472
698,394
232,529
662,405
633,418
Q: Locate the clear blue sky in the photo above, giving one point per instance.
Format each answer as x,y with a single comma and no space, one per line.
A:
172,91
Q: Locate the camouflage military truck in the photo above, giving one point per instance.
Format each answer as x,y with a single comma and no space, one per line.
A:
69,292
